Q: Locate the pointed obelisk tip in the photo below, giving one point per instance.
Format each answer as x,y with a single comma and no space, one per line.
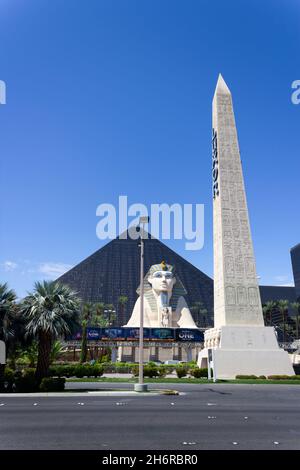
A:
222,88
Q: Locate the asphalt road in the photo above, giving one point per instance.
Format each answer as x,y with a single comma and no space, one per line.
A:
205,417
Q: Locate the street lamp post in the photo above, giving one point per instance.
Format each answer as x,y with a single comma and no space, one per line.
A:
140,386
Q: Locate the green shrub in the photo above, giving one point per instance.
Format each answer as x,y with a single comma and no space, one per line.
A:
284,377
89,370
9,378
246,377
25,381
135,370
79,371
162,371
97,370
150,370
9,374
52,384
104,358
181,371
198,373
119,367
62,371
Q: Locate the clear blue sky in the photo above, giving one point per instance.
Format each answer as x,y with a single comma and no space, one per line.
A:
98,90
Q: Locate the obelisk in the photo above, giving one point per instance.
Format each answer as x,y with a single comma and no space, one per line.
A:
236,292
240,342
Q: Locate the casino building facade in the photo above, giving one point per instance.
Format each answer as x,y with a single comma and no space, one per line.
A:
113,271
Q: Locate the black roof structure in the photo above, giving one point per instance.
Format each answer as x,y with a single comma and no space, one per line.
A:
295,257
277,293
114,271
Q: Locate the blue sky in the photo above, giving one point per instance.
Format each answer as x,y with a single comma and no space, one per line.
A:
109,98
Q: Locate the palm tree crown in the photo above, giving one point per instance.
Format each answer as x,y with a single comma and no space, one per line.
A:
51,308
7,306
51,311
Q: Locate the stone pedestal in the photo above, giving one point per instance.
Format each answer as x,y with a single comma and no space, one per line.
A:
141,387
244,350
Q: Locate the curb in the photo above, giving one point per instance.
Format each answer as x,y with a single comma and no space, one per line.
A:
128,393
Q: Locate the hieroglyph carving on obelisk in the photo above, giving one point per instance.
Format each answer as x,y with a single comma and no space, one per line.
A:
236,293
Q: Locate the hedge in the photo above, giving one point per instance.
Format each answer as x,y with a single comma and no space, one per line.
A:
53,384
79,371
181,371
198,373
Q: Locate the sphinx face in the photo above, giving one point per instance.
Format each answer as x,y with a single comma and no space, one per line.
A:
162,281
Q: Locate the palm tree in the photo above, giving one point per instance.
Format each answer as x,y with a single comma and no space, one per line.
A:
109,314
268,311
200,314
283,306
87,312
96,317
7,309
296,307
51,311
122,302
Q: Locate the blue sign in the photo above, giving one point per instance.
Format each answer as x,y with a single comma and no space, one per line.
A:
116,334
133,334
162,334
93,333
190,335
75,337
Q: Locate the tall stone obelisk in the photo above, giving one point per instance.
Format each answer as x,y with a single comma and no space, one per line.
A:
236,292
239,341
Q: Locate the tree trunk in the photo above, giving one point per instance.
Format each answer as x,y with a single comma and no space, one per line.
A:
83,354
44,350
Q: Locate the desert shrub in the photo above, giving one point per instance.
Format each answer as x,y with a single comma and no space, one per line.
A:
52,384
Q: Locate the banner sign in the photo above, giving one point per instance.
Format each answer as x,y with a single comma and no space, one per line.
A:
189,335
134,334
162,334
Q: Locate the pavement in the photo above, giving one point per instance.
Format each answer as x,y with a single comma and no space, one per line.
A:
212,416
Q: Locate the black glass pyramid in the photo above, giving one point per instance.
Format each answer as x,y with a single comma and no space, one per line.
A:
114,271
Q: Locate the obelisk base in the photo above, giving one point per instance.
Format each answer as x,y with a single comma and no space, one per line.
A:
244,350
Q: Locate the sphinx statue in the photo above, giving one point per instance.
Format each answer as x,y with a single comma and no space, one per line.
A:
164,304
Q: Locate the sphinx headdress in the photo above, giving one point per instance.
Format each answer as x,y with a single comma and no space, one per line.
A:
178,289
